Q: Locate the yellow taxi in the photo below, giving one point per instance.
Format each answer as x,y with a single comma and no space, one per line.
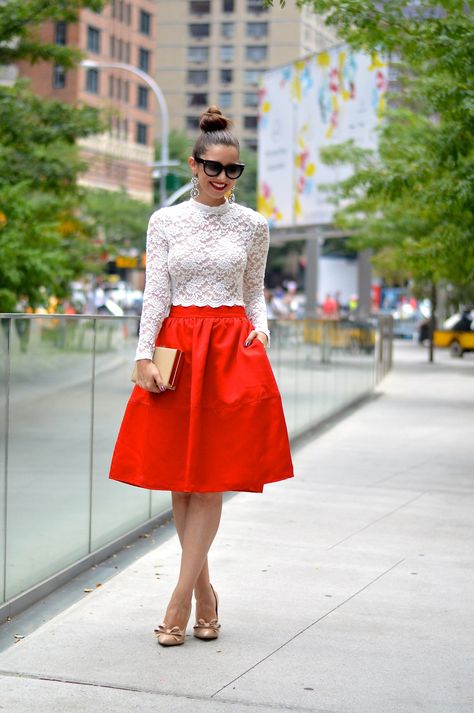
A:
457,334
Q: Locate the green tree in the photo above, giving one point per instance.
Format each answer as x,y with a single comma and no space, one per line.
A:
412,200
119,220
44,241
19,24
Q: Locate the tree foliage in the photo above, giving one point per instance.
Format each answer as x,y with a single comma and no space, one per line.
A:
413,200
19,36
119,220
44,240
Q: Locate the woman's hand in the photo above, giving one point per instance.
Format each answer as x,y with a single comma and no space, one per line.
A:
261,336
149,377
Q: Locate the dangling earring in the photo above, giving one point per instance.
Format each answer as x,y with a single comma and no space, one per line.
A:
195,187
231,195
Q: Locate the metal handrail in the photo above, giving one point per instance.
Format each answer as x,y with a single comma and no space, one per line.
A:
55,315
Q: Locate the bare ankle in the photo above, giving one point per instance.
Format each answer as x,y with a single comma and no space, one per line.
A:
203,591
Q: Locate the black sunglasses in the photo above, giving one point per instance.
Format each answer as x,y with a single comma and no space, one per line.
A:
214,168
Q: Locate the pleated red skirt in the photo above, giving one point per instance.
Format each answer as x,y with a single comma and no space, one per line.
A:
223,429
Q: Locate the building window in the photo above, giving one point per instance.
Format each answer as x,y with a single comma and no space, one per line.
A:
144,59
120,50
59,77
199,7
227,29
227,53
198,54
112,46
113,5
198,99
144,25
125,128
60,33
228,6
257,53
251,144
120,12
192,122
126,90
198,76
111,86
250,122
256,6
226,76
119,88
127,52
257,29
225,100
93,39
251,99
142,133
142,100
92,81
252,76
197,31
128,15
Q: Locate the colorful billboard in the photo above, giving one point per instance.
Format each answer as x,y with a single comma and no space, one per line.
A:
319,101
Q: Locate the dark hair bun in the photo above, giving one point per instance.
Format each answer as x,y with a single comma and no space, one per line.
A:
213,120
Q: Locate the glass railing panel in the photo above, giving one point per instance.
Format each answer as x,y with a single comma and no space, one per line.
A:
69,385
303,393
5,324
160,502
288,372
49,448
116,507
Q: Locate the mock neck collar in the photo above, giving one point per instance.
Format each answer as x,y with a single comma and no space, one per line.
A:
210,209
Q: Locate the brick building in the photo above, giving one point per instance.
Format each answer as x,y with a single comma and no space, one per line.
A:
123,32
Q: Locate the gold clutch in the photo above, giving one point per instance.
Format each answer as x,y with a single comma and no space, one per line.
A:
169,361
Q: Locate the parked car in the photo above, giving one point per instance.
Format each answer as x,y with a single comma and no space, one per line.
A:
123,294
457,333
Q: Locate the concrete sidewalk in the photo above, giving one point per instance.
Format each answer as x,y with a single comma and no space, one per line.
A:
348,589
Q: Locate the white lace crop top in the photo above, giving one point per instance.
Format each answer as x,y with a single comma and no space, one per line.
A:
203,255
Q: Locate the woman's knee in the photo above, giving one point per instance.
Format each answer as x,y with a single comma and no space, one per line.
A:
207,498
181,495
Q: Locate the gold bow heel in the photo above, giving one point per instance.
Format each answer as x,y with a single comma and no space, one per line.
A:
208,630
170,637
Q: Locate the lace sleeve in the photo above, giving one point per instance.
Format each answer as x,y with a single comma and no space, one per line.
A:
253,278
157,294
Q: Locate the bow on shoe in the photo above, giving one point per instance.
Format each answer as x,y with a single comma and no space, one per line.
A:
168,637
213,624
175,630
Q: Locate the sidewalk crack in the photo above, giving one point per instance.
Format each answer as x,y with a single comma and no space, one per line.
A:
298,633
387,514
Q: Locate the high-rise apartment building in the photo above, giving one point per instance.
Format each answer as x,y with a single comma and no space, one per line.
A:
213,52
123,32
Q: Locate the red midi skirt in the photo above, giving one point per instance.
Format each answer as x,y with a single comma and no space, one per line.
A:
223,427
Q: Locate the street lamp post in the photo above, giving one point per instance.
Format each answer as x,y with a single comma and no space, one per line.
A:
164,163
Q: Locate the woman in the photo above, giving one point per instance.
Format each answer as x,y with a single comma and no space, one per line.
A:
223,428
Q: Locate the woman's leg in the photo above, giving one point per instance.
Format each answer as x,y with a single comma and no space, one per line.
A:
202,588
197,517
205,600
